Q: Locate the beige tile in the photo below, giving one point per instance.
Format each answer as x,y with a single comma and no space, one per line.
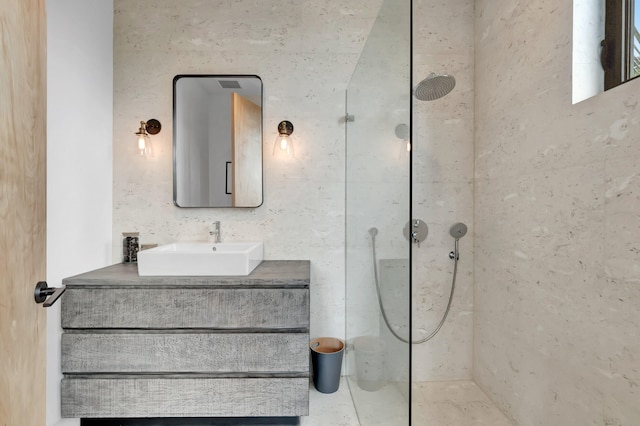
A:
437,414
452,391
331,409
482,413
454,403
385,407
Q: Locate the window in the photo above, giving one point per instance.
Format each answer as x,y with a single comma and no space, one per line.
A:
620,55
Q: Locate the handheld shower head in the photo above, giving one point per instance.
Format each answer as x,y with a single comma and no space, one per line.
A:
373,232
434,87
458,230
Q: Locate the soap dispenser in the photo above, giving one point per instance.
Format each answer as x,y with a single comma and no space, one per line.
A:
130,247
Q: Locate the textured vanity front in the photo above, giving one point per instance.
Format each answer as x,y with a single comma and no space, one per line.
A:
179,352
185,397
158,308
186,346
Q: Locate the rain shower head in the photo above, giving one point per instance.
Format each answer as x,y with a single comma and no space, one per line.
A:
434,87
458,230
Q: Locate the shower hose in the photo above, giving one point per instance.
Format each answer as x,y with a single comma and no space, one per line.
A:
454,255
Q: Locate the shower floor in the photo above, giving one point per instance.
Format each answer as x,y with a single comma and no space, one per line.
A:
453,403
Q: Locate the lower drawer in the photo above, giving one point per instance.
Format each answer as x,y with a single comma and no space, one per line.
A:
186,352
185,397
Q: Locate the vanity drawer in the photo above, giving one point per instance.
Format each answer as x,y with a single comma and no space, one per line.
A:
185,397
185,353
199,308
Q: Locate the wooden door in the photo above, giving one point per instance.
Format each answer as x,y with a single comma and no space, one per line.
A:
246,139
22,211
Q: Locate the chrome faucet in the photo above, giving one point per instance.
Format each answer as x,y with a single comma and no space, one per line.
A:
216,231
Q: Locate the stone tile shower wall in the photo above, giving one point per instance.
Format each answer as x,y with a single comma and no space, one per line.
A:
305,52
556,226
443,189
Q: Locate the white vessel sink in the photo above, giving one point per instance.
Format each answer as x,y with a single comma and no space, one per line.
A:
200,259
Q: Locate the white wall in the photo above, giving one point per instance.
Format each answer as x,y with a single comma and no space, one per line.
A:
557,196
79,157
588,32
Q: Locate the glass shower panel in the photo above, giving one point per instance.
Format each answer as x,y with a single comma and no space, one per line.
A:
378,182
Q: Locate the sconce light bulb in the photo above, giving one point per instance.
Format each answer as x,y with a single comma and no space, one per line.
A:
283,143
149,127
141,144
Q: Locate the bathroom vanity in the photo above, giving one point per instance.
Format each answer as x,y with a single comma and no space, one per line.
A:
153,346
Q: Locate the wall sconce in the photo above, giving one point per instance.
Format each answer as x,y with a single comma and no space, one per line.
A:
284,142
149,127
402,132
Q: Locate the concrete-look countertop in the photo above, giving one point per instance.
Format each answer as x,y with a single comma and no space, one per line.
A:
270,273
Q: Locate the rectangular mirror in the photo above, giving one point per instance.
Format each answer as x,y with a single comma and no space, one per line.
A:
217,141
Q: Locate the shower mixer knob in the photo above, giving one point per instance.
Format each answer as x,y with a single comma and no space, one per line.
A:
416,231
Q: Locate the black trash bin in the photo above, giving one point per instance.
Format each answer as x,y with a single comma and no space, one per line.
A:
326,359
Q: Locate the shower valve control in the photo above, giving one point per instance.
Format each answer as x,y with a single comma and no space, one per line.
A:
416,231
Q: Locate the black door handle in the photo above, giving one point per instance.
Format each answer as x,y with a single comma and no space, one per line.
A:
42,291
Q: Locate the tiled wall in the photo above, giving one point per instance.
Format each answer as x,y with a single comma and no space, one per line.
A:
443,189
305,52
557,228
378,187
